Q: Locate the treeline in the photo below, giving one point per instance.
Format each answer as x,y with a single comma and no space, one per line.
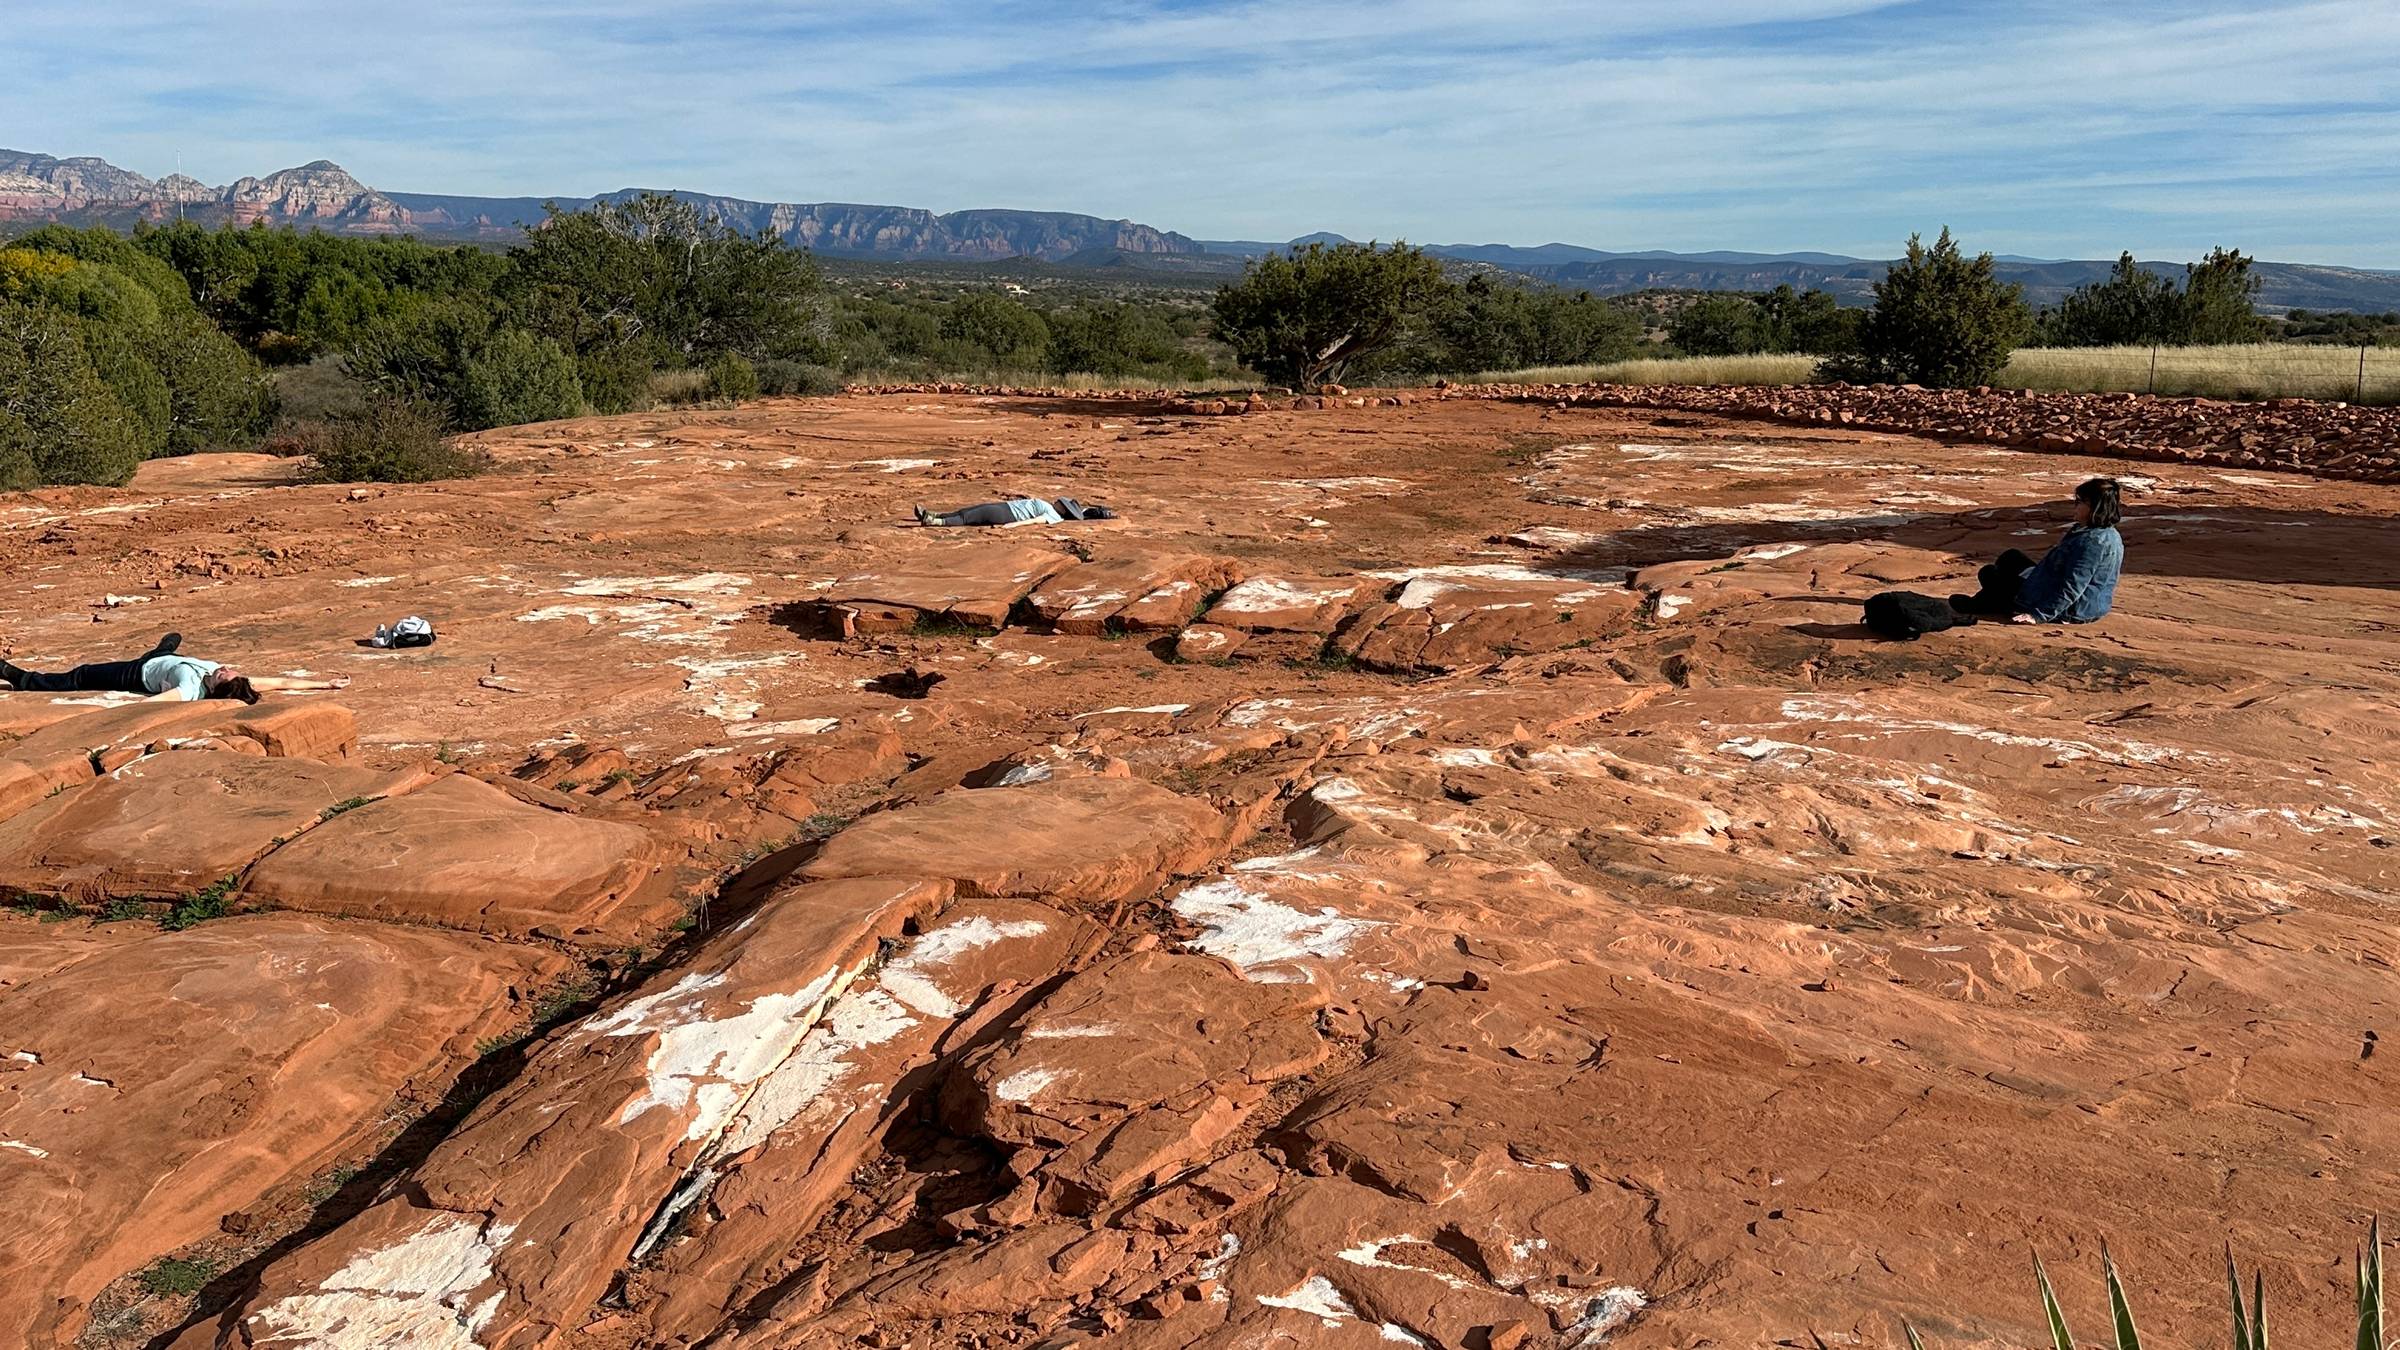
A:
2136,307
1361,312
1810,323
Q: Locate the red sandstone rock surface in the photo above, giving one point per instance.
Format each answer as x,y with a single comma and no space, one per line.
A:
1447,872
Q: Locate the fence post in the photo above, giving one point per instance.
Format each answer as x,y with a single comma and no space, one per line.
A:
2361,395
2153,370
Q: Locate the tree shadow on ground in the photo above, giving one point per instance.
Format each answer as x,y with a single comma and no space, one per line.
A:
2216,543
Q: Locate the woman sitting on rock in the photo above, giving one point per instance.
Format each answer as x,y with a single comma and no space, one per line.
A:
160,675
1017,510
2075,582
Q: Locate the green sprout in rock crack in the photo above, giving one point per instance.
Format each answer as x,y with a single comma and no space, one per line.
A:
172,1277
340,807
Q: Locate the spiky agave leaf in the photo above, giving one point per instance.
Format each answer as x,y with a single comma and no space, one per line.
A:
2060,1337
2233,1286
1914,1341
2370,1289
2120,1311
2258,1310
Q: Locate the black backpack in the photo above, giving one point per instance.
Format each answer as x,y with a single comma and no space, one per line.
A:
1907,616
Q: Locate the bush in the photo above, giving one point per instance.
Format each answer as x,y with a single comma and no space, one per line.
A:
517,378
2219,296
676,388
2134,307
1940,318
797,377
392,441
318,391
1308,317
615,379
59,422
732,377
1500,325
1718,325
218,394
1003,333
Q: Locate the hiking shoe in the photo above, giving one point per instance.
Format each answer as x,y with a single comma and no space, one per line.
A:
166,646
1964,604
924,517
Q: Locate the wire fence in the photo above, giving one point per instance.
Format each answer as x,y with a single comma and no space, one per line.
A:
2262,370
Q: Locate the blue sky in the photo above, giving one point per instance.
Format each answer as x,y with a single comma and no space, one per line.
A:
2036,127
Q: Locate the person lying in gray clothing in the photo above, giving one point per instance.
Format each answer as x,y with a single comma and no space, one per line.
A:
1017,510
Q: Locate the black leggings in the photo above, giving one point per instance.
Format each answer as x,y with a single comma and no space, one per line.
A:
2000,579
990,513
109,677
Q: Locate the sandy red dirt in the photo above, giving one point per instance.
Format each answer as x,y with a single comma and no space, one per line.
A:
1451,874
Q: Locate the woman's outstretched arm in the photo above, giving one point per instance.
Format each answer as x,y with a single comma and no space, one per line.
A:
285,684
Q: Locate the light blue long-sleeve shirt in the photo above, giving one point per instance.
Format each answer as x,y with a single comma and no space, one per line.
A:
2076,581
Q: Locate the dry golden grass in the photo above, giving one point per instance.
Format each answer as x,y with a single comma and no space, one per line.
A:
2249,371
2256,370
1667,370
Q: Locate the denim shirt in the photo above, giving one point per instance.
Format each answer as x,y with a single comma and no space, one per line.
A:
2075,582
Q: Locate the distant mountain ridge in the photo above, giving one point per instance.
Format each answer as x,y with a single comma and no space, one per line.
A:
37,189
40,188
1852,280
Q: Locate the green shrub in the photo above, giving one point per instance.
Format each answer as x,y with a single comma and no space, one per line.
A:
1718,325
1309,316
615,379
991,329
219,396
1940,318
392,441
320,390
797,377
59,422
171,1277
731,376
517,378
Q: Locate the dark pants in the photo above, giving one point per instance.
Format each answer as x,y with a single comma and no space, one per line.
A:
2000,579
990,513
112,677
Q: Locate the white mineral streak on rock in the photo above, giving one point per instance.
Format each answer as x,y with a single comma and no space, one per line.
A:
1267,595
418,1292
1025,1084
1315,1295
1259,934
706,1062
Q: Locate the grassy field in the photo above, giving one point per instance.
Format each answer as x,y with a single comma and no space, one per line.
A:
2262,370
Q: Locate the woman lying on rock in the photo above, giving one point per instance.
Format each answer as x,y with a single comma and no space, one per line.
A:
1015,511
2075,582
159,674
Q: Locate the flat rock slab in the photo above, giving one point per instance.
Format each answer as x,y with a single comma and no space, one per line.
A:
971,583
68,752
1087,600
1135,1068
1068,840
152,1086
519,1221
463,854
1446,622
1290,604
170,824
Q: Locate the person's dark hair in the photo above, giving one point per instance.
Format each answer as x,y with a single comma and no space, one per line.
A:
2105,498
1099,513
223,685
